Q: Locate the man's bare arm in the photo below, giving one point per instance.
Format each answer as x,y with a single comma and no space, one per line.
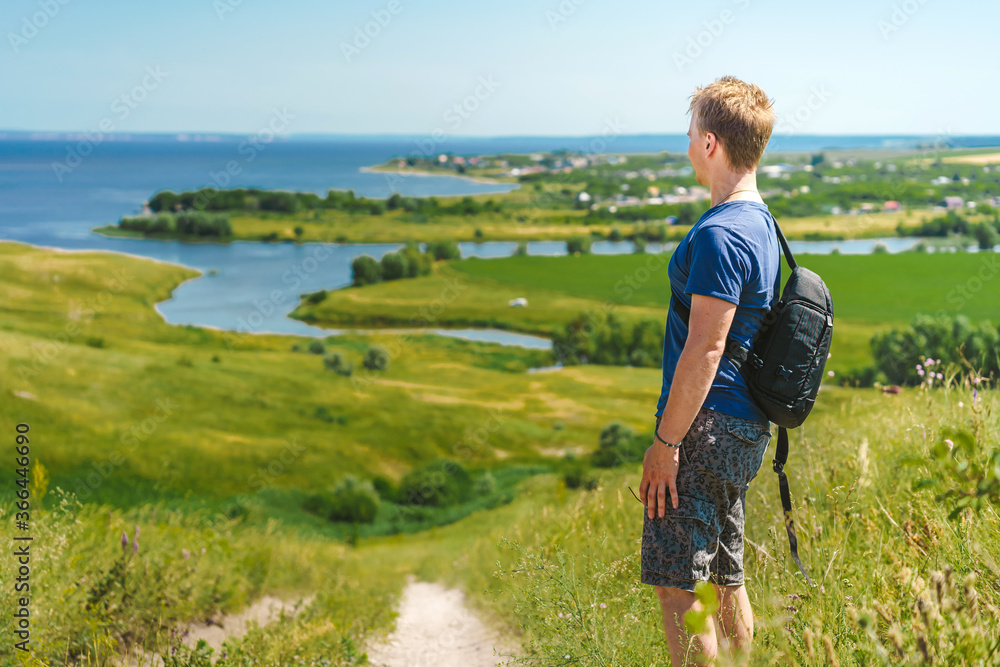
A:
697,365
708,326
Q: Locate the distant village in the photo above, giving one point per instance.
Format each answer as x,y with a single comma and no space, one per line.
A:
655,195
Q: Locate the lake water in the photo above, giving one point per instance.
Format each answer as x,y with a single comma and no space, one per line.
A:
255,285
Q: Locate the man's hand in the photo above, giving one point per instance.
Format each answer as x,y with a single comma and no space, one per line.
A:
659,473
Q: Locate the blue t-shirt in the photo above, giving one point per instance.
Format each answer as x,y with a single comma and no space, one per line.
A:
731,253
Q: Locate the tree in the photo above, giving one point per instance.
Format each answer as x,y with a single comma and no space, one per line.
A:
987,236
444,250
376,358
365,271
417,263
338,364
578,244
393,266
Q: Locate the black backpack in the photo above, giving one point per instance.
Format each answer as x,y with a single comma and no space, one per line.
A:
784,366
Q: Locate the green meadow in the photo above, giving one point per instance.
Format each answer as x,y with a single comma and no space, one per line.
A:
200,447
870,293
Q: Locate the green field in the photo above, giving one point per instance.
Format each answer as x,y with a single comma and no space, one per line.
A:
870,292
89,361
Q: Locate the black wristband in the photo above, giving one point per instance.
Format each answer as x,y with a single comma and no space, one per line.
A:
657,436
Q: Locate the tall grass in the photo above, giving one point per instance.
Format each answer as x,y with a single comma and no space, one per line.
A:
103,581
897,580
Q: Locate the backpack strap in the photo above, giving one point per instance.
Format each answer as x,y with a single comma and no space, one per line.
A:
784,244
735,351
780,458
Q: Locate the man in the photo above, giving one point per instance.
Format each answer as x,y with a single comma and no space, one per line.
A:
710,437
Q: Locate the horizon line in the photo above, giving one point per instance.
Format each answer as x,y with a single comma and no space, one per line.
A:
409,135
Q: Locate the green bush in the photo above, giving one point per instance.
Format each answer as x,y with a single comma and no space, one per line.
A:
578,244
615,447
365,271
899,352
986,235
640,245
441,483
417,263
522,249
316,297
444,250
354,501
393,266
385,488
606,338
486,484
574,471
317,347
337,363
376,358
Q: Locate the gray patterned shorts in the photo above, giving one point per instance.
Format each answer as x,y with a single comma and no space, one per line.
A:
702,540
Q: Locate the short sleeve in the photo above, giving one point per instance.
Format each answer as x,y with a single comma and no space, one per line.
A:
719,265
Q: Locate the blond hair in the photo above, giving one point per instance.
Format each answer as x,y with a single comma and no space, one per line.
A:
739,114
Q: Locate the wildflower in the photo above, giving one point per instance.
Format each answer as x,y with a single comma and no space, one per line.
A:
961,404
185,553
919,367
124,541
135,546
940,376
604,606
830,373
929,362
920,372
975,395
951,445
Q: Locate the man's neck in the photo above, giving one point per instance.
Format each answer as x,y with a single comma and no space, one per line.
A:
732,187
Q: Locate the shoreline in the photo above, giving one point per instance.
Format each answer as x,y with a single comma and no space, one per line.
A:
382,169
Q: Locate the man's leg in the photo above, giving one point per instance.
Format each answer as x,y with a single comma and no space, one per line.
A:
684,648
735,618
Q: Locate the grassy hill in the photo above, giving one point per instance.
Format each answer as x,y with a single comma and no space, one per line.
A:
89,362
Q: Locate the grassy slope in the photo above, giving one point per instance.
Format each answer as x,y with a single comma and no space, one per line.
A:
860,525
230,418
870,292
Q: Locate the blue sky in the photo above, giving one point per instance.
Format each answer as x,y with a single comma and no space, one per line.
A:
515,67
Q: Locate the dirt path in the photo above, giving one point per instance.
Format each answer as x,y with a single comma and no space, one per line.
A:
436,629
